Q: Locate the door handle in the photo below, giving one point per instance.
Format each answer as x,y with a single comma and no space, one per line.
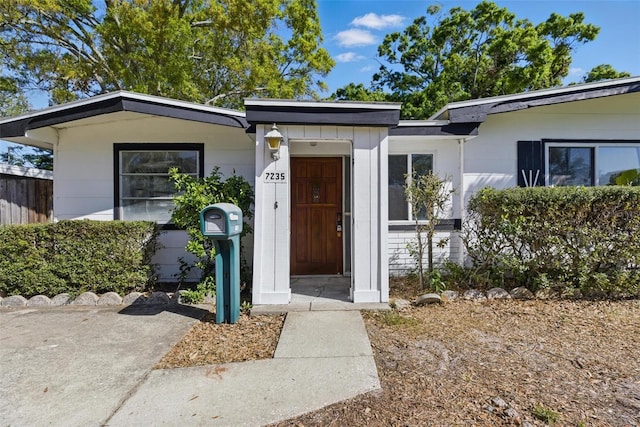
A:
339,222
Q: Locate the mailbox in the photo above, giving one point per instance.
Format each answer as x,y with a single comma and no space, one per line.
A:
221,221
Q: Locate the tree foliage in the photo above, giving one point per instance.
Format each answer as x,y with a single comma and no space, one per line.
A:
34,157
429,196
357,92
207,51
468,54
604,72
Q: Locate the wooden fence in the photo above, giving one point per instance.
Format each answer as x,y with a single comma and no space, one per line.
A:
25,196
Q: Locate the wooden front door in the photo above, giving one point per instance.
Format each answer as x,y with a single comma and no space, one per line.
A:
316,215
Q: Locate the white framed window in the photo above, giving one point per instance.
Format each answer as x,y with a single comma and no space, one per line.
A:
592,163
143,188
401,167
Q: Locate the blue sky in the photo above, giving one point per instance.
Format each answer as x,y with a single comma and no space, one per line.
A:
353,29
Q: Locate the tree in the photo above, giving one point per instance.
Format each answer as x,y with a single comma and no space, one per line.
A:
428,195
35,157
468,54
215,52
357,92
604,72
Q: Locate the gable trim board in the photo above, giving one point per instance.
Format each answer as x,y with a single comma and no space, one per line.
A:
475,143
121,101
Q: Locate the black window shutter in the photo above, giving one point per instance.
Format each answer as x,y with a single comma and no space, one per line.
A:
530,164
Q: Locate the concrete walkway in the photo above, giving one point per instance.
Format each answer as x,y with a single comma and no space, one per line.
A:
92,365
319,293
321,358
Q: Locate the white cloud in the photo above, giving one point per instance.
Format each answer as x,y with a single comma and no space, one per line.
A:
576,72
349,57
355,37
366,69
378,22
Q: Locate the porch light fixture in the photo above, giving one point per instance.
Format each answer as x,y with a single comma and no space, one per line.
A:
273,138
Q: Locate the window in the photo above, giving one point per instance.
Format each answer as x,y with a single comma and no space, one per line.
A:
570,166
143,189
597,163
399,167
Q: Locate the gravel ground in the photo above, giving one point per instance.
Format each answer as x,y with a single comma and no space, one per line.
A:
568,363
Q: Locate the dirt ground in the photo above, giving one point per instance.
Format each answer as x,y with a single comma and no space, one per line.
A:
568,363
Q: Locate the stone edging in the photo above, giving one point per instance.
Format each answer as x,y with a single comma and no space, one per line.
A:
89,299
519,293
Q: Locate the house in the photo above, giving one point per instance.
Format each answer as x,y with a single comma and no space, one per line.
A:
329,199
26,195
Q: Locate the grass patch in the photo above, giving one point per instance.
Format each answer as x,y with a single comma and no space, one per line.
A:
546,415
393,318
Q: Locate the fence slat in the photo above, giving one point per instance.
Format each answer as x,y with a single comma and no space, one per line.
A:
25,200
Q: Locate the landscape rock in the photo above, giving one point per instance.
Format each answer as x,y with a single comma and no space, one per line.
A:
60,299
14,301
110,298
178,297
545,294
157,298
134,298
400,304
450,295
39,301
572,294
474,295
87,298
499,402
498,293
513,415
428,299
522,293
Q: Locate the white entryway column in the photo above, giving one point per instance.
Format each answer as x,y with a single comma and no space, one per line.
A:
370,259
272,223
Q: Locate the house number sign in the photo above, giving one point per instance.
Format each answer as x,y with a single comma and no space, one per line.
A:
275,177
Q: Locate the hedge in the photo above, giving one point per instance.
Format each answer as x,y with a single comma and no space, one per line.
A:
76,256
565,237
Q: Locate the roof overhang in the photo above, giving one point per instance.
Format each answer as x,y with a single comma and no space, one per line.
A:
441,129
476,111
338,113
16,128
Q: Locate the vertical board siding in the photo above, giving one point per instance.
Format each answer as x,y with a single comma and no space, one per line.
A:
25,200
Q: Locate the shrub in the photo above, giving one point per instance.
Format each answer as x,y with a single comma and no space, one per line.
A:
193,195
576,237
76,256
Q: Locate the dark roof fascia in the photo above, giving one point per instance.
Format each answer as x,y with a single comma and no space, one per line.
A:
310,115
461,129
479,113
112,105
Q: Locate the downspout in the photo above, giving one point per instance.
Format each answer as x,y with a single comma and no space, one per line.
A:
461,251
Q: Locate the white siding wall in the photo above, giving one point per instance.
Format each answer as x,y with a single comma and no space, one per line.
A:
491,158
84,175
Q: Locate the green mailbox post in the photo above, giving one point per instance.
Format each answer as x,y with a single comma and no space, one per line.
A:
222,223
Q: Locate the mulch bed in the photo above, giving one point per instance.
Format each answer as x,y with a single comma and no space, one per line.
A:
251,338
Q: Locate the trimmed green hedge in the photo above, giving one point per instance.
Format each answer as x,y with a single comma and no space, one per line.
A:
76,256
564,237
